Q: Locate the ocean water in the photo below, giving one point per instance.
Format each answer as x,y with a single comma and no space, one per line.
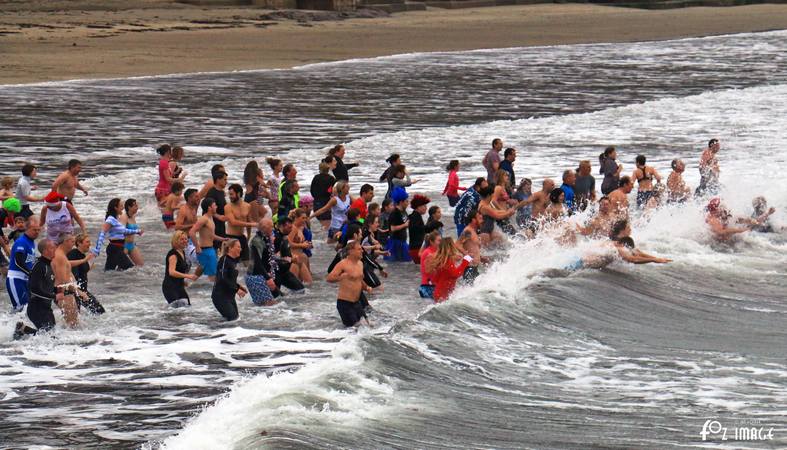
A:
628,356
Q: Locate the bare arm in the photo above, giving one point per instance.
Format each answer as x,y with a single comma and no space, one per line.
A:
193,233
336,273
75,215
179,225
42,220
325,208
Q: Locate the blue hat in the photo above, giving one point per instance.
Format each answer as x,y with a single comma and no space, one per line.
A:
398,194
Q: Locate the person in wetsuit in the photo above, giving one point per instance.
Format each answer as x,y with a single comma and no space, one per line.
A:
176,272
226,286
22,258
41,290
81,262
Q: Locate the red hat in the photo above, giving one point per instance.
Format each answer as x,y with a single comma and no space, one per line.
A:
419,200
53,197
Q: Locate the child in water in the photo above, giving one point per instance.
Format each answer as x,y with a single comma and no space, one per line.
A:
452,187
170,203
6,186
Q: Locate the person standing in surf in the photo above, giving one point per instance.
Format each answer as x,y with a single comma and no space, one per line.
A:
610,169
619,200
644,175
584,186
444,272
204,245
24,188
491,161
58,215
67,183
66,289
226,286
468,201
21,260
677,191
176,272
321,189
82,261
341,169
452,187
116,232
350,296
709,170
129,219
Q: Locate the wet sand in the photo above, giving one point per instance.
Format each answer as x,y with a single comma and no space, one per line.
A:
154,37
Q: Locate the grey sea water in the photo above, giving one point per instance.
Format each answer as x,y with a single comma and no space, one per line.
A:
623,357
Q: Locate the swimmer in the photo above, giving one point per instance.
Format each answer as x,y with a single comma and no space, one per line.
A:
556,209
677,191
644,175
709,169
129,219
58,216
67,183
82,261
226,287
470,244
491,214
66,288
621,236
618,199
718,219
261,276
539,202
444,272
42,292
761,215
206,229
238,214
116,232
349,274
176,272
170,203
601,223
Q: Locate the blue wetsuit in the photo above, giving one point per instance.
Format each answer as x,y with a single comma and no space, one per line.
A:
23,256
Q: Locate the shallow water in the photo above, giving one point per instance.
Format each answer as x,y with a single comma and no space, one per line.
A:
626,356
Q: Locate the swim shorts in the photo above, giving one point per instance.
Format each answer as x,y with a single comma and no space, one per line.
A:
208,260
350,312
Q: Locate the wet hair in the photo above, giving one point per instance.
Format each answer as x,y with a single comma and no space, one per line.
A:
207,202
624,180
129,204
508,152
218,175
366,188
164,149
478,182
238,189
112,207
495,141
189,192
604,198
28,169
486,191
177,187
433,210
604,155
675,163
618,228
7,183
73,163
554,195
176,237
470,216
713,141
273,162
353,214
640,160
251,172
627,241
452,165
392,158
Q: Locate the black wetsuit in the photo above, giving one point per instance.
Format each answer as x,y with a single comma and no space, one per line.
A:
283,275
340,172
416,230
42,293
321,189
174,289
226,287
80,274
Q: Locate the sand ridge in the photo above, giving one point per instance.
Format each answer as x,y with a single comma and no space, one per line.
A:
94,39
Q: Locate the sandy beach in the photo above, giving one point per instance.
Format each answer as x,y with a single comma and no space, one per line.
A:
153,37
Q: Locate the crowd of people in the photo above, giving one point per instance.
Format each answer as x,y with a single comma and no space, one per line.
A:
265,229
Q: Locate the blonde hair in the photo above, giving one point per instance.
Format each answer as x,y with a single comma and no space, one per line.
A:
227,245
584,167
175,237
7,183
80,238
339,187
324,167
445,253
499,178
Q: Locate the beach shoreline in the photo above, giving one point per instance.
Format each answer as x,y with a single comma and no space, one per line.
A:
84,43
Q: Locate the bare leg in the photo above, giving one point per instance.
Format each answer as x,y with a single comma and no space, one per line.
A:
69,307
136,257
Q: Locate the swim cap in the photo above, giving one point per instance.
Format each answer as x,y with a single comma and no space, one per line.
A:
398,194
306,200
12,204
713,204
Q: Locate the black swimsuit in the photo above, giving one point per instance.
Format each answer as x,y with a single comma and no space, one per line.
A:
175,288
